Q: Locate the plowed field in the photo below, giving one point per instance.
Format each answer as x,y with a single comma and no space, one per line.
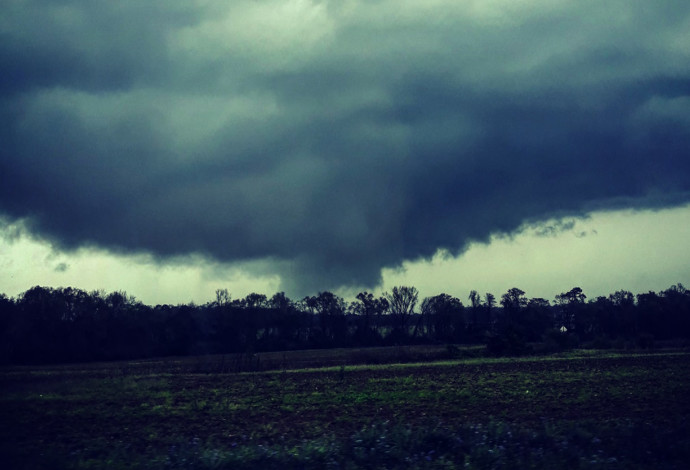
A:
66,411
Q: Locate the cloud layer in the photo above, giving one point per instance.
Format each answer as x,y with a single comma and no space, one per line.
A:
334,138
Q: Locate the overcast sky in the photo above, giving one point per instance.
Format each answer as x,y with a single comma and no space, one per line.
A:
169,147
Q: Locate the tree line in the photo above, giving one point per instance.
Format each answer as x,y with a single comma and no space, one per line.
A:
52,325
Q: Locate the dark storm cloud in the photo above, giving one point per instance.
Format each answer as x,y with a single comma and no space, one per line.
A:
335,138
555,228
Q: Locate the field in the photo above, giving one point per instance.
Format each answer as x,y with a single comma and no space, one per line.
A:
335,408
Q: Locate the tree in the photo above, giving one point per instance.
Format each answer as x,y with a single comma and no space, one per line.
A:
475,299
537,318
489,303
623,304
508,338
475,303
573,296
369,309
181,331
222,297
39,326
600,314
490,300
443,316
677,300
402,301
569,304
253,321
254,301
286,320
7,317
513,302
330,309
514,299
653,316
280,302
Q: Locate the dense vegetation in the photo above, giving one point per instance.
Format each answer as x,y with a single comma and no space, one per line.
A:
582,409
49,325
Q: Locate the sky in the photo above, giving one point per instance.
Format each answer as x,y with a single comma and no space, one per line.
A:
169,148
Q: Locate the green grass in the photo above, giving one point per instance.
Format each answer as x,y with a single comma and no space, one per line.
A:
157,414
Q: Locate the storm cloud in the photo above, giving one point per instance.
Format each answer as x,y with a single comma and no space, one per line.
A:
331,139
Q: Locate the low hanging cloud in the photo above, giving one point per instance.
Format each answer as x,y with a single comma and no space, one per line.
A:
61,267
330,139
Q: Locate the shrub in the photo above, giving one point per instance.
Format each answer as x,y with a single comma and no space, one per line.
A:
507,343
557,341
645,341
600,342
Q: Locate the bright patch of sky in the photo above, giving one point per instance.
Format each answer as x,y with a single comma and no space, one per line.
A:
608,251
632,250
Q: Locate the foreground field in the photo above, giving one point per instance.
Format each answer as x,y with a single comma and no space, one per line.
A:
156,414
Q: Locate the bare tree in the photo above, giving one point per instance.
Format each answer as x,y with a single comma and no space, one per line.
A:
222,297
475,303
490,303
475,299
402,301
369,308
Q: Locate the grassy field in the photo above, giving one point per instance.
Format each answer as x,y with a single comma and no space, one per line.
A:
335,408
